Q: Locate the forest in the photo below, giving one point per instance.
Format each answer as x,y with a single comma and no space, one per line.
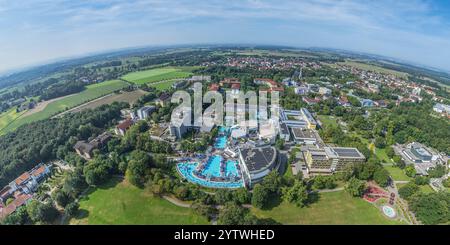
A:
51,139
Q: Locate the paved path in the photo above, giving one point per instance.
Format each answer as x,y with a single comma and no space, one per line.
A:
177,202
331,190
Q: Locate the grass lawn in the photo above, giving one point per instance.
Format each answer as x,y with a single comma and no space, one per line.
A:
91,92
381,154
8,117
328,120
163,85
158,74
426,189
331,208
121,203
397,173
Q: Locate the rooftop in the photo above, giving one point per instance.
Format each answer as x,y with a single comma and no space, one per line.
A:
257,159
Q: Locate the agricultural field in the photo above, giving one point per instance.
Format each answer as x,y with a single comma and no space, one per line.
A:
122,203
374,68
332,208
158,74
129,97
91,92
8,117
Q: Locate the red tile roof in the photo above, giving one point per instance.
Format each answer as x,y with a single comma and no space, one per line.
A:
22,178
214,87
39,171
235,86
125,124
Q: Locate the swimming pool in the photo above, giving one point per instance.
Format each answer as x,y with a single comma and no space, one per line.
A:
221,142
231,176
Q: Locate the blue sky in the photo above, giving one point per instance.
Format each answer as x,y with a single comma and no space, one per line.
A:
36,31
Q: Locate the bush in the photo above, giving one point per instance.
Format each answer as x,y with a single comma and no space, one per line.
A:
324,182
355,187
410,171
421,180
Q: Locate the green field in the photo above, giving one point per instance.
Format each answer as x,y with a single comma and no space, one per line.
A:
381,154
8,117
374,68
122,203
158,74
91,92
397,173
162,85
331,208
328,120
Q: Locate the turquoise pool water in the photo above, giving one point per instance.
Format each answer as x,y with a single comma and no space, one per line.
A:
231,175
221,140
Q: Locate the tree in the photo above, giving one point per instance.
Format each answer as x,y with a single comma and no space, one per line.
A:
410,171
446,183
242,196
260,196
233,214
71,209
437,172
324,182
272,182
381,176
380,142
203,209
41,212
421,180
19,217
223,196
62,198
297,194
355,187
390,152
408,190
137,168
432,208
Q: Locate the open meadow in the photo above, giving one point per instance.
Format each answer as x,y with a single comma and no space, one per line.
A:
119,202
158,74
332,208
91,92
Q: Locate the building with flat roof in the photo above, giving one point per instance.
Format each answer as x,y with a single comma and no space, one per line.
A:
257,163
328,160
417,153
145,111
304,136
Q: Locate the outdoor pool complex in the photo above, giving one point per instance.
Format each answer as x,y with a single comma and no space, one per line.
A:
215,172
212,169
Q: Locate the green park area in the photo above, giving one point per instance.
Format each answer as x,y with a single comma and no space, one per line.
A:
396,173
158,74
331,208
62,104
122,203
9,116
